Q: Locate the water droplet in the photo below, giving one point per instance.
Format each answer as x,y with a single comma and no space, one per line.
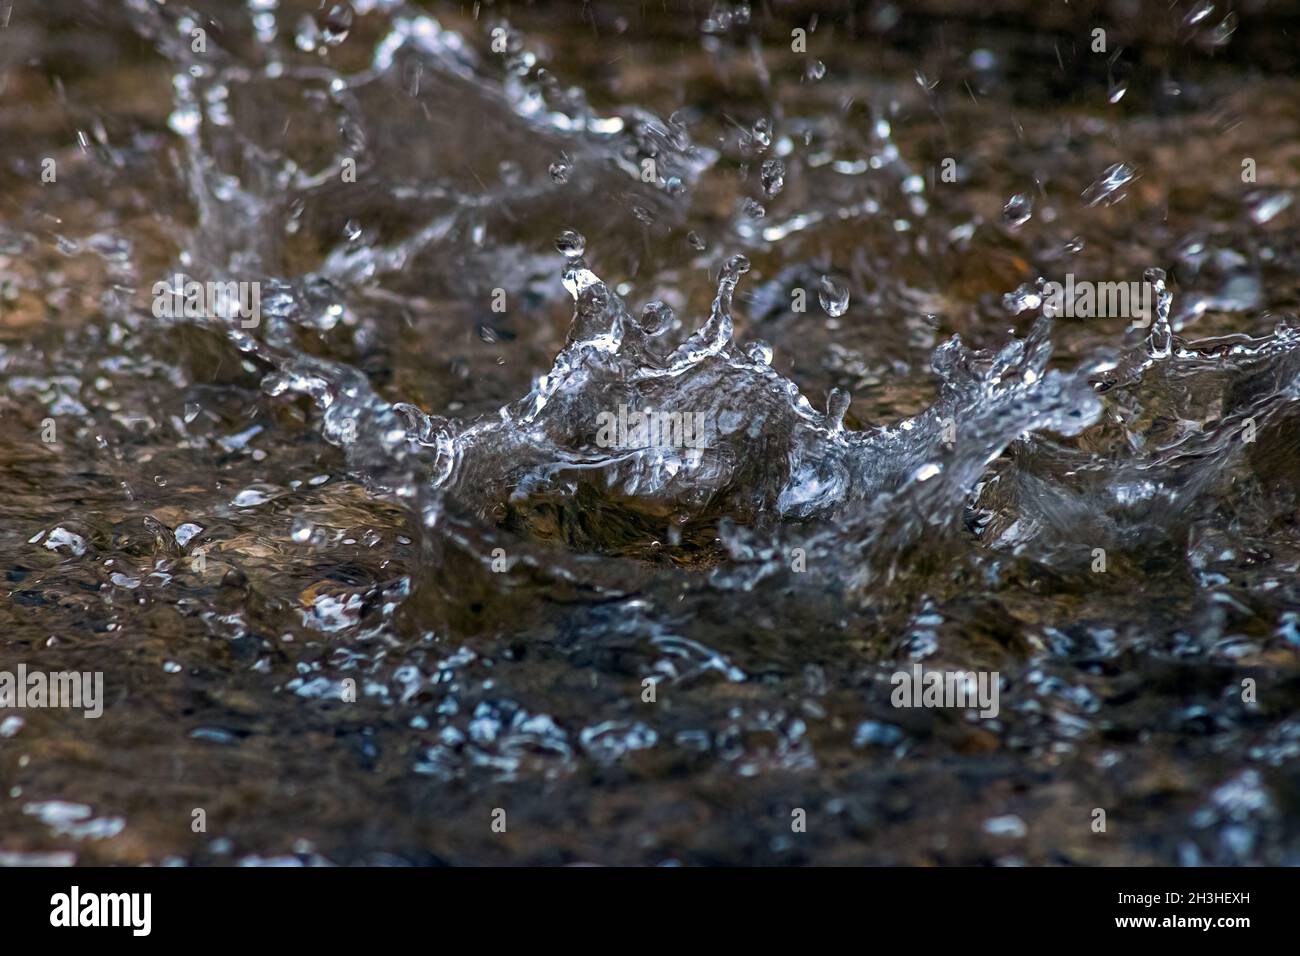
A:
250,498
753,209
511,173
772,175
185,121
1265,206
1224,31
814,71
759,352
301,530
696,241
307,37
1113,179
1018,210
657,317
763,133
1198,13
837,406
185,533
571,244
736,266
1117,91
833,296
560,170
338,22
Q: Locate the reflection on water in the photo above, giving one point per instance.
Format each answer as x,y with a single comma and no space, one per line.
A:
586,412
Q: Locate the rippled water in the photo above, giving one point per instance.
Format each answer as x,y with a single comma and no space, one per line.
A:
479,235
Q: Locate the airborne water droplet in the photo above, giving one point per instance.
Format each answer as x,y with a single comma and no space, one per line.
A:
338,22
571,244
833,296
1115,177
1224,31
1018,210
307,37
1264,207
773,176
560,170
1199,13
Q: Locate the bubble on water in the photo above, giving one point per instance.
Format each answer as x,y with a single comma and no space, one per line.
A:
571,244
338,23
1018,210
61,537
833,296
251,498
301,529
1107,188
185,533
772,175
